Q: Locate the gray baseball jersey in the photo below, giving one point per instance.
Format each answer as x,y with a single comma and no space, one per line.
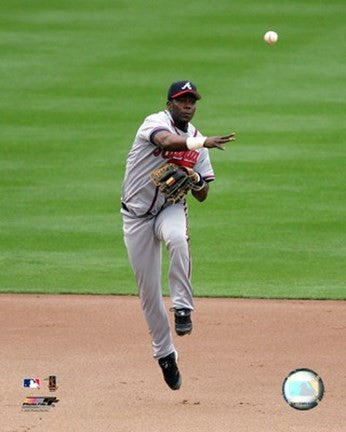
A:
138,192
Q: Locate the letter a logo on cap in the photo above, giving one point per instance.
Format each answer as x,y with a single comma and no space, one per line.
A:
180,88
187,86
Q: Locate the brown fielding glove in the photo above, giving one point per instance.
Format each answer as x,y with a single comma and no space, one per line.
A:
175,181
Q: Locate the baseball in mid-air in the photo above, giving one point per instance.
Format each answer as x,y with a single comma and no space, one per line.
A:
271,37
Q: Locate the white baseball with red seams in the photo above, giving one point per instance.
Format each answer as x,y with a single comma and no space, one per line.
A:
271,37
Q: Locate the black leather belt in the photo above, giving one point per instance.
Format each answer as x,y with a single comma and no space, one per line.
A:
124,206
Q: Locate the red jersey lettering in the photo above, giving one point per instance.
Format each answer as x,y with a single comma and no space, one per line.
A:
187,158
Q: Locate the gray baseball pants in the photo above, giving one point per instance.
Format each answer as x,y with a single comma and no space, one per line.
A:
143,237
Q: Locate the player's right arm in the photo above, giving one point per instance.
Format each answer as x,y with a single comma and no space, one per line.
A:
172,142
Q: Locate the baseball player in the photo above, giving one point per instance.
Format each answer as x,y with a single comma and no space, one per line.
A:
149,218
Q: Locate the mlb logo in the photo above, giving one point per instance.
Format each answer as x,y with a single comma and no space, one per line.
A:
33,383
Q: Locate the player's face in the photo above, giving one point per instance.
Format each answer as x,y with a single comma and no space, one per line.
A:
182,108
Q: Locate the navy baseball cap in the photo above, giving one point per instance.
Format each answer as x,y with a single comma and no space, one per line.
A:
180,88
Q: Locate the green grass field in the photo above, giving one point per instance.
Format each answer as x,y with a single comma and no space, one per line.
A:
78,77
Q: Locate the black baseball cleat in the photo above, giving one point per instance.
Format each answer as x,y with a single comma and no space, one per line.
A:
183,323
170,371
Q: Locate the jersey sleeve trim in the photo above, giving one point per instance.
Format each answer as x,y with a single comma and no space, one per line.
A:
209,178
155,131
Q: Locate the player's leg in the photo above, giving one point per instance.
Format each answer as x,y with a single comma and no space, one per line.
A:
171,227
144,251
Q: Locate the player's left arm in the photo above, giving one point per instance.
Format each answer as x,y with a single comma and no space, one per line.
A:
205,173
201,194
199,187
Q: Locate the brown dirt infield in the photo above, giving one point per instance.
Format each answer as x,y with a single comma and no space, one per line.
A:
233,365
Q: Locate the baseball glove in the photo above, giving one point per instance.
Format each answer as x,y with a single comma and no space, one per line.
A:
175,181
